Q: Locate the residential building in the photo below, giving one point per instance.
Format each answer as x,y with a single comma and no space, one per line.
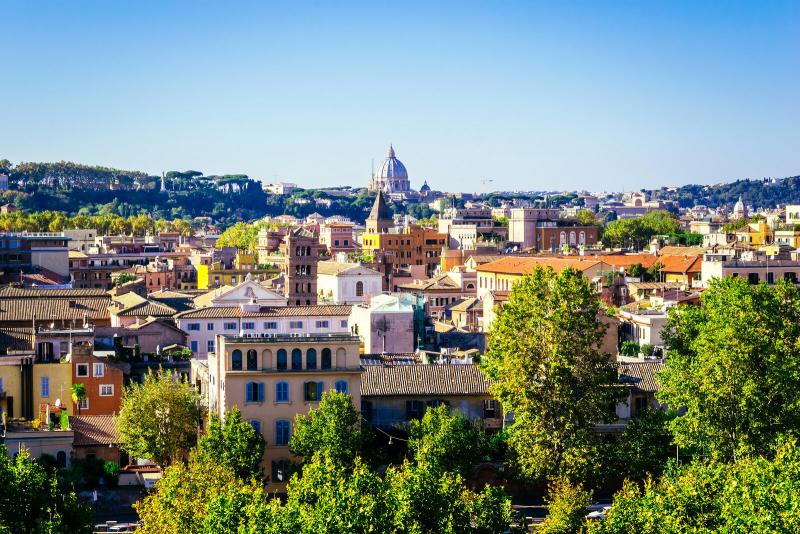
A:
218,274
393,392
102,379
386,324
523,223
248,291
341,282
337,237
28,386
442,291
96,437
253,320
271,380
792,214
754,270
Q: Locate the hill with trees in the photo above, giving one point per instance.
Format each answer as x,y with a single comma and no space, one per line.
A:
763,193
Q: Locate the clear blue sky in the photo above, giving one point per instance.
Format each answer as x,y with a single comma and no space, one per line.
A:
534,95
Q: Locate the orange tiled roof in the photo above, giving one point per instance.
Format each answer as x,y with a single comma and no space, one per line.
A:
680,264
525,265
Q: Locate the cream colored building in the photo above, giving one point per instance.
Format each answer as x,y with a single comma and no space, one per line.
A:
272,380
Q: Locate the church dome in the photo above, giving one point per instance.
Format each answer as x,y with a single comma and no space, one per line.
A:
425,187
392,167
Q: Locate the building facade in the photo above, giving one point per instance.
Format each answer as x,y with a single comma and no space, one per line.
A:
301,252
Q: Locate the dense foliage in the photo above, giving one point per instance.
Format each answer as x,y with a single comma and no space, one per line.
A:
235,444
158,418
545,360
333,429
566,508
733,367
756,192
636,232
335,492
31,502
757,494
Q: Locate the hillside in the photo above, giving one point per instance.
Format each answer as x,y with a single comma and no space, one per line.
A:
759,193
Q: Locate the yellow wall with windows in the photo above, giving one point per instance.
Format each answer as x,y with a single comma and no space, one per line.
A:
12,387
60,380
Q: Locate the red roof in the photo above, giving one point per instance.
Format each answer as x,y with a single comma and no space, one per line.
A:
526,265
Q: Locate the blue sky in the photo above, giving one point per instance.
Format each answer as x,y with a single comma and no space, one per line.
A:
532,95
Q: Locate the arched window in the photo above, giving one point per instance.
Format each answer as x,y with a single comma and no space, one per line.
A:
311,359
281,364
254,392
282,432
297,359
359,289
341,358
572,238
61,459
282,392
582,238
326,359
563,240
252,360
236,360
341,386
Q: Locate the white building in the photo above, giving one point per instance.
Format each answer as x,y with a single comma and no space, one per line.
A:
253,320
386,324
346,283
280,188
249,291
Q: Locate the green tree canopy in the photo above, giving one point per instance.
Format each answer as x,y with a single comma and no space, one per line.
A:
446,442
158,418
334,429
636,232
31,503
733,366
545,360
234,444
755,494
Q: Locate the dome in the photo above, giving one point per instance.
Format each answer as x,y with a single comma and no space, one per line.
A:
425,187
392,167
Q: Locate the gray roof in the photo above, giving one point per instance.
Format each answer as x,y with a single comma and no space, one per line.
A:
641,375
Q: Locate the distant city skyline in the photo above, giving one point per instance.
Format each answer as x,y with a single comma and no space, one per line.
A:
581,95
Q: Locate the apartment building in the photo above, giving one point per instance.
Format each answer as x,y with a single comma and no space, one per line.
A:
271,380
254,320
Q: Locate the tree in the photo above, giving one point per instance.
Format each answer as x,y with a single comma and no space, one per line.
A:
334,428
566,508
181,498
158,419
78,395
586,218
754,494
544,358
732,366
234,444
241,235
30,501
124,278
645,446
445,442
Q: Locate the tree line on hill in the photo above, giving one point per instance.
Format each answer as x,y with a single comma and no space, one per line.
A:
759,193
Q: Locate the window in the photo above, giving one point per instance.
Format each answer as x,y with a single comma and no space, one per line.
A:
326,358
194,327
341,386
256,425
489,409
1,384
61,459
230,326
248,326
282,392
343,323
254,392
313,391
282,432
252,360
323,324
296,324
45,383
297,359
752,278
193,346
106,390
236,360
82,369
415,409
770,278
271,326
359,289
84,404
282,359
210,346
210,327
99,369
281,470
311,359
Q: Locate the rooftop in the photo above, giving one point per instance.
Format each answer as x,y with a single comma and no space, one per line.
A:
423,380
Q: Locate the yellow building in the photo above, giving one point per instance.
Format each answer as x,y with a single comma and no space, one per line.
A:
26,386
786,237
410,245
216,275
756,234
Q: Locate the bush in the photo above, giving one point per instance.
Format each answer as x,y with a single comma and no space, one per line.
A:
629,348
111,473
647,349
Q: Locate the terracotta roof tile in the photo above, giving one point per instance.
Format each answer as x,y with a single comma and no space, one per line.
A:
93,430
526,265
422,379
